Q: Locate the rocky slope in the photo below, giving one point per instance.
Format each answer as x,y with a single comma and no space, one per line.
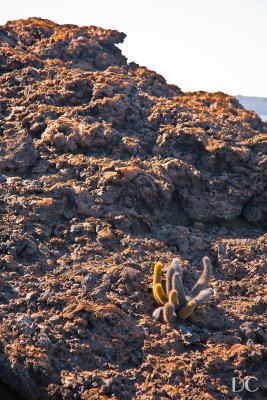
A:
105,169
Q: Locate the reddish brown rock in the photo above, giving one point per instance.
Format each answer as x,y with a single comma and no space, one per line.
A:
17,152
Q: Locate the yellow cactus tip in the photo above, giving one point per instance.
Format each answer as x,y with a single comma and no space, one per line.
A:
159,294
187,310
173,296
157,280
158,265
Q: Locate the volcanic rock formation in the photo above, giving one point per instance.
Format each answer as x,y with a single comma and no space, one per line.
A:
104,169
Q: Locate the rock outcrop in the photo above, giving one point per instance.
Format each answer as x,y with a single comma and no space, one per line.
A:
105,168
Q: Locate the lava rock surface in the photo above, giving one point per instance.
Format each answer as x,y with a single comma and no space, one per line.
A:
105,169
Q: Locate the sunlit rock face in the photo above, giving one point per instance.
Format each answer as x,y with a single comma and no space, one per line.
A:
105,168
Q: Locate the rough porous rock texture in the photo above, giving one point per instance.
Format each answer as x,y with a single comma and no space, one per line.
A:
105,169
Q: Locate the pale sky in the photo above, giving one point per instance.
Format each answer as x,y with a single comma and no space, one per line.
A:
197,44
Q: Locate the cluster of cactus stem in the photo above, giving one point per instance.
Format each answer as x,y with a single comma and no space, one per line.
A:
175,302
